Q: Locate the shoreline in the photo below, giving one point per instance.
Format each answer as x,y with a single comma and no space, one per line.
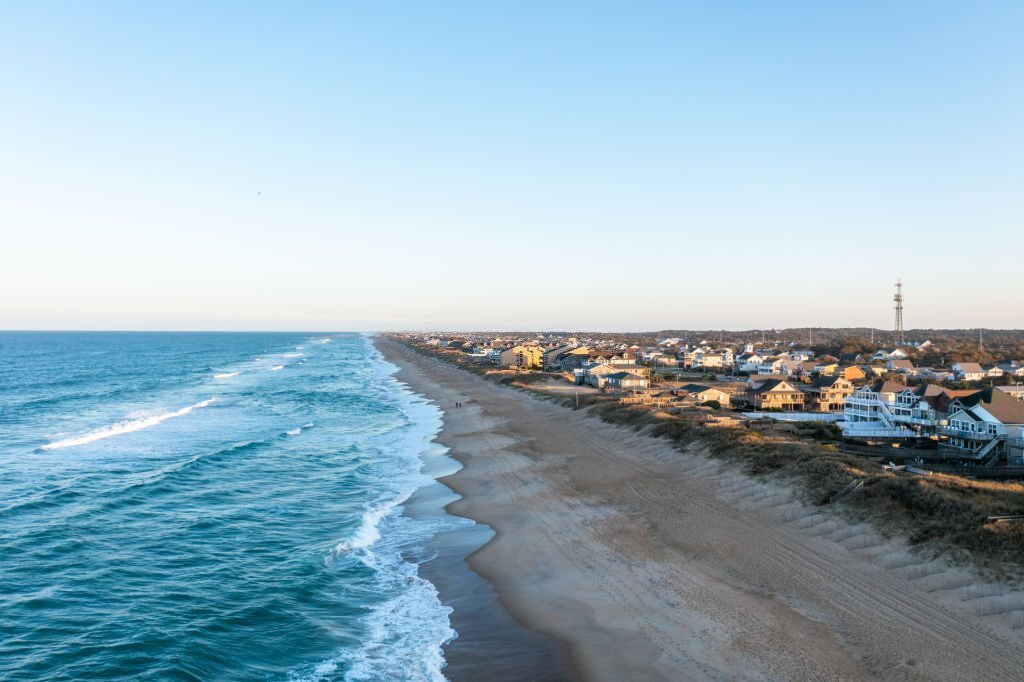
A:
491,643
651,563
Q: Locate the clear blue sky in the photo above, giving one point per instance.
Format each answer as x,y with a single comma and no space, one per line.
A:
576,165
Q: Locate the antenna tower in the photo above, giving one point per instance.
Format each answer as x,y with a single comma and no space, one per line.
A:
898,299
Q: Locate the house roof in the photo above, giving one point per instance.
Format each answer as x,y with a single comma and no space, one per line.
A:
828,382
999,404
970,367
697,388
773,384
902,364
887,387
623,375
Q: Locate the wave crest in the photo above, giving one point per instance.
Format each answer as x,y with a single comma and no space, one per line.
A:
123,427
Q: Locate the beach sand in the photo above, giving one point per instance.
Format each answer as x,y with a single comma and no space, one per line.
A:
652,564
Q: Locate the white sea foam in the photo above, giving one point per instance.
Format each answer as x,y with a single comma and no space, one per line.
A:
368,532
123,427
404,634
276,368
294,432
293,355
226,375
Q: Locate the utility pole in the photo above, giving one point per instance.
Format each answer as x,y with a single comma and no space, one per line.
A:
981,341
898,299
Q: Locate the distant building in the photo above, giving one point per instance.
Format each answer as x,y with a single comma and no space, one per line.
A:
522,357
968,371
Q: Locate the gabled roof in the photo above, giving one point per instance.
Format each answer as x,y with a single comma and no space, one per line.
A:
887,387
970,367
999,404
773,384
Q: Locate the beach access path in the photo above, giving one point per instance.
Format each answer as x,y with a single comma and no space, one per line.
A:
654,564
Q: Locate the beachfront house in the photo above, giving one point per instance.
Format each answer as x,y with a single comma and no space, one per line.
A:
625,381
983,424
703,394
828,394
775,394
522,357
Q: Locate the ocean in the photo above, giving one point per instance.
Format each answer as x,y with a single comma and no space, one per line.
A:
204,506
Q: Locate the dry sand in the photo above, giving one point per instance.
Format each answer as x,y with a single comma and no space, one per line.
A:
651,564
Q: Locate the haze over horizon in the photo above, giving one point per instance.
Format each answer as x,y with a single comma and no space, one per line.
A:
343,166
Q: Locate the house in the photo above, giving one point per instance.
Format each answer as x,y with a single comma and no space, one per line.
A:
982,423
894,354
852,359
993,371
968,371
900,366
552,355
554,358
570,362
827,369
932,374
828,394
522,357
748,362
772,365
595,374
851,373
625,381
868,413
776,394
1016,390
1012,368
703,394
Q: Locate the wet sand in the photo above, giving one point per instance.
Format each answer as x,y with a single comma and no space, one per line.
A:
651,564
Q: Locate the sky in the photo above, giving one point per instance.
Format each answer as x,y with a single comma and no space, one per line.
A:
510,165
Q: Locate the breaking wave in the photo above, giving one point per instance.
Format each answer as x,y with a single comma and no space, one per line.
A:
123,427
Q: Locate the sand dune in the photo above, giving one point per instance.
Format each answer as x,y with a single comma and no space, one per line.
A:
654,564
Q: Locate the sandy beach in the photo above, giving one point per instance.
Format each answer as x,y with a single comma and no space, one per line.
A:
652,564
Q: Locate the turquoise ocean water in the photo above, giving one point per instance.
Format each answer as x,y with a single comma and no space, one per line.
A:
182,506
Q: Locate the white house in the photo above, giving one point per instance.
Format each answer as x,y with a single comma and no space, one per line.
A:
968,371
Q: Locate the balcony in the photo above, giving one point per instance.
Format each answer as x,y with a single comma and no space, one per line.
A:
860,412
920,421
967,435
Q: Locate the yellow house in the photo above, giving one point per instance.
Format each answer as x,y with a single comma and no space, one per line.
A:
522,357
826,370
